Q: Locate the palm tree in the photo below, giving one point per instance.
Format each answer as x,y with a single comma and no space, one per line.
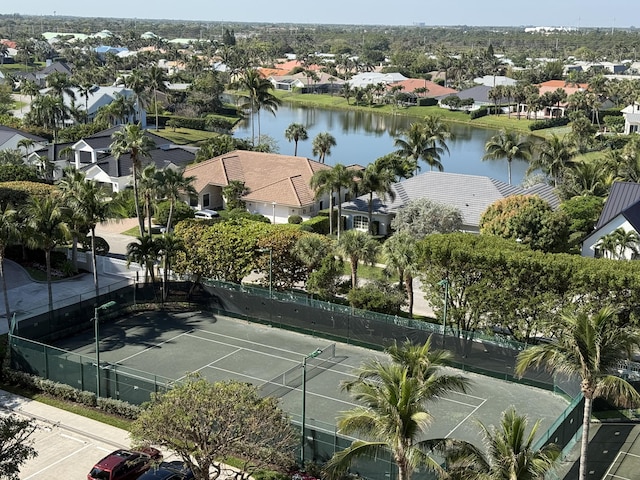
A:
509,145
173,185
90,203
137,82
294,133
150,186
145,253
47,230
8,233
60,84
401,254
333,181
155,79
4,52
437,133
379,180
322,144
258,97
509,453
357,246
590,347
168,247
618,242
554,155
131,139
392,415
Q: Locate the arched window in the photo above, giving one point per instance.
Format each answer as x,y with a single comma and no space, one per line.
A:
360,222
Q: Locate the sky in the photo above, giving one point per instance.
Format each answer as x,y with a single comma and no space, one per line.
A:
568,13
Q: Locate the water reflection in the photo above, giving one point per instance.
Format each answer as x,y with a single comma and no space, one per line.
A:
364,136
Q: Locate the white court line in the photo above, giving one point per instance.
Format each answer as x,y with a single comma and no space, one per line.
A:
618,476
465,419
55,463
247,341
154,346
445,399
245,348
211,363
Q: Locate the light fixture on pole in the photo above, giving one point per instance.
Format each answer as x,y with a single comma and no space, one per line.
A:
274,212
96,322
444,283
270,250
313,354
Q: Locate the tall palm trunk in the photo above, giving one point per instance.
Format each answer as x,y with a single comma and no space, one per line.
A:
408,282
147,203
136,198
584,446
339,219
331,212
94,260
170,217
4,289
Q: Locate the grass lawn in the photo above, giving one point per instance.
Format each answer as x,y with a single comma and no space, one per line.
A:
184,136
338,102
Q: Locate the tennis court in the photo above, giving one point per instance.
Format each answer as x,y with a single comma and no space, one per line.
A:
222,348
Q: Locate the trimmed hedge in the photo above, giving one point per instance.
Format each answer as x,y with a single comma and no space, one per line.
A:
427,102
549,123
68,393
481,112
319,224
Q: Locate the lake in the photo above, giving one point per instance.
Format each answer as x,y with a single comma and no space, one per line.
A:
362,137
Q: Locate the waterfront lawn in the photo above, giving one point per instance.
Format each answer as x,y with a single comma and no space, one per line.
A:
338,102
184,136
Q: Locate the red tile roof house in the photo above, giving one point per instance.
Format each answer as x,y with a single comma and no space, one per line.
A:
278,184
552,86
434,90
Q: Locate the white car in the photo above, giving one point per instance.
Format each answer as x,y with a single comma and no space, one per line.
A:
206,214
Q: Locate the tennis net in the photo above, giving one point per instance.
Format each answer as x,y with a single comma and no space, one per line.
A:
291,379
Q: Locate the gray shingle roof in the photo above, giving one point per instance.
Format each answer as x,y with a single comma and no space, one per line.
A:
472,194
622,198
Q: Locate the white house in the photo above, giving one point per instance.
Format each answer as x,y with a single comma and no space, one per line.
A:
621,210
631,114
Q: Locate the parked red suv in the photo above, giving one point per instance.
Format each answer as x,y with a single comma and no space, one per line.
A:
125,464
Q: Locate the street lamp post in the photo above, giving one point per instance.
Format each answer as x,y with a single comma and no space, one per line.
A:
96,322
313,354
444,283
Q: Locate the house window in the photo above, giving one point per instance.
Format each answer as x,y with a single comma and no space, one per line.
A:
321,205
205,200
633,128
360,222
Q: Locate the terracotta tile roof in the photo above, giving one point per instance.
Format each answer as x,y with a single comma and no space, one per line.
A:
552,85
434,90
269,177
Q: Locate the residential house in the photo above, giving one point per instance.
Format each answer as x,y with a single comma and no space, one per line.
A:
278,185
93,156
415,86
621,210
321,82
495,80
40,77
361,80
99,97
10,139
631,114
479,94
471,194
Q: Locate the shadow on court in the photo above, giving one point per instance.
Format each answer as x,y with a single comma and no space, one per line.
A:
607,440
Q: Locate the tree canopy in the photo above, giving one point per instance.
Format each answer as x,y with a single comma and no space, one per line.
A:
205,422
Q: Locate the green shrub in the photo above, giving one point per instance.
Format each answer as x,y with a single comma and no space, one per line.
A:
295,219
181,211
481,112
319,224
549,123
427,102
377,297
118,407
